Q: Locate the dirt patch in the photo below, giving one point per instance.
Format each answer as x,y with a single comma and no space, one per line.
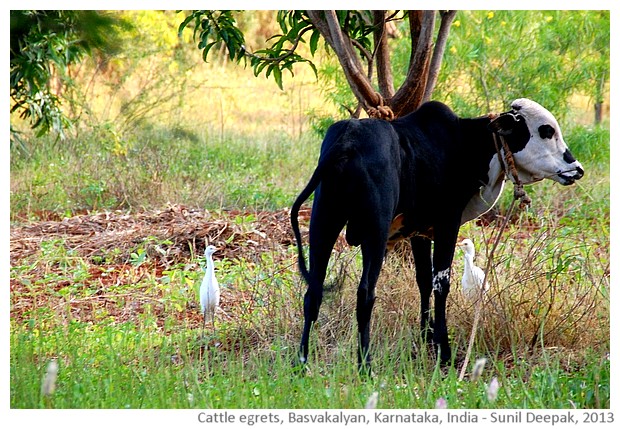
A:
172,235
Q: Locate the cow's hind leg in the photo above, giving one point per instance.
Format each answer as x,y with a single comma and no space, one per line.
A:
324,231
373,252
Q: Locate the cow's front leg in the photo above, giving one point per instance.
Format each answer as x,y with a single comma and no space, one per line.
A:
441,289
445,241
421,248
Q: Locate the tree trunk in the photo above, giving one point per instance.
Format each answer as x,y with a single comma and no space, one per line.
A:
424,61
598,104
598,112
411,93
440,46
329,27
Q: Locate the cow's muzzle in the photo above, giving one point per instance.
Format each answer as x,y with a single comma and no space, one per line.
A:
569,177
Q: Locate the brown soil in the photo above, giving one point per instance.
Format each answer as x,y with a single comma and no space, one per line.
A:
170,236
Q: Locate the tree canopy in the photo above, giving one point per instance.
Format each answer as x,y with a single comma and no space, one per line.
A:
384,62
43,44
358,38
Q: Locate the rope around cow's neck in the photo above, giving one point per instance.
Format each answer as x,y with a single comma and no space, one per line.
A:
507,162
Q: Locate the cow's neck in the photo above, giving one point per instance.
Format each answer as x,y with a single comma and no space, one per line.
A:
490,190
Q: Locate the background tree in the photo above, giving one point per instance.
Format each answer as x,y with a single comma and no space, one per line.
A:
387,62
494,57
43,45
359,39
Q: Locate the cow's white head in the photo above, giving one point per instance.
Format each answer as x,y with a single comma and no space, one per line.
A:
535,139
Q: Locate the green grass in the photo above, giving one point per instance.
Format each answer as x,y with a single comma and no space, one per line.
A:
122,366
157,166
135,342
147,169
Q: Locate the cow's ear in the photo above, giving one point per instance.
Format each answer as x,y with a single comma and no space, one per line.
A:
504,124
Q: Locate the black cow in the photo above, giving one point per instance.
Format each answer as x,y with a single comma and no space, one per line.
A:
420,176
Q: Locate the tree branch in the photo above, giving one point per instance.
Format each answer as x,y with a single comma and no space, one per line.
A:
411,93
321,25
384,69
351,65
362,49
440,46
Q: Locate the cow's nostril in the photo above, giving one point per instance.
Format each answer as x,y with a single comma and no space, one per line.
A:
568,157
580,172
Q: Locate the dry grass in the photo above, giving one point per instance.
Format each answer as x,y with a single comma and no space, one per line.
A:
550,288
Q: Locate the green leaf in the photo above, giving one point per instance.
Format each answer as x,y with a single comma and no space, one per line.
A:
186,22
258,68
277,75
313,67
314,41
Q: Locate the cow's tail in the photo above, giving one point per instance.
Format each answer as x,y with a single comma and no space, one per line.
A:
303,196
335,155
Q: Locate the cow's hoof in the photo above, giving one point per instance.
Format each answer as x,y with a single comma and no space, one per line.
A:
445,356
299,367
365,371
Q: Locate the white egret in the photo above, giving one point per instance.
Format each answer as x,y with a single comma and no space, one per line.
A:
473,276
209,289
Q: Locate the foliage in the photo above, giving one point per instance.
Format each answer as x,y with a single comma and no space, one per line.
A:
120,366
148,80
43,45
590,143
495,57
156,165
128,335
220,27
518,53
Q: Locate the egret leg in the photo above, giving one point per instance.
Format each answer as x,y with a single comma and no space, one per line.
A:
213,322
204,323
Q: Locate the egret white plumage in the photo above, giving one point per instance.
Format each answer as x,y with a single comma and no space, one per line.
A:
473,276
209,289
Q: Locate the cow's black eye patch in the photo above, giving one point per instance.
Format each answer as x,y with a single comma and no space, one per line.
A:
546,131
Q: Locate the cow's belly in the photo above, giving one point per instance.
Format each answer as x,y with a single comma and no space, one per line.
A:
398,231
